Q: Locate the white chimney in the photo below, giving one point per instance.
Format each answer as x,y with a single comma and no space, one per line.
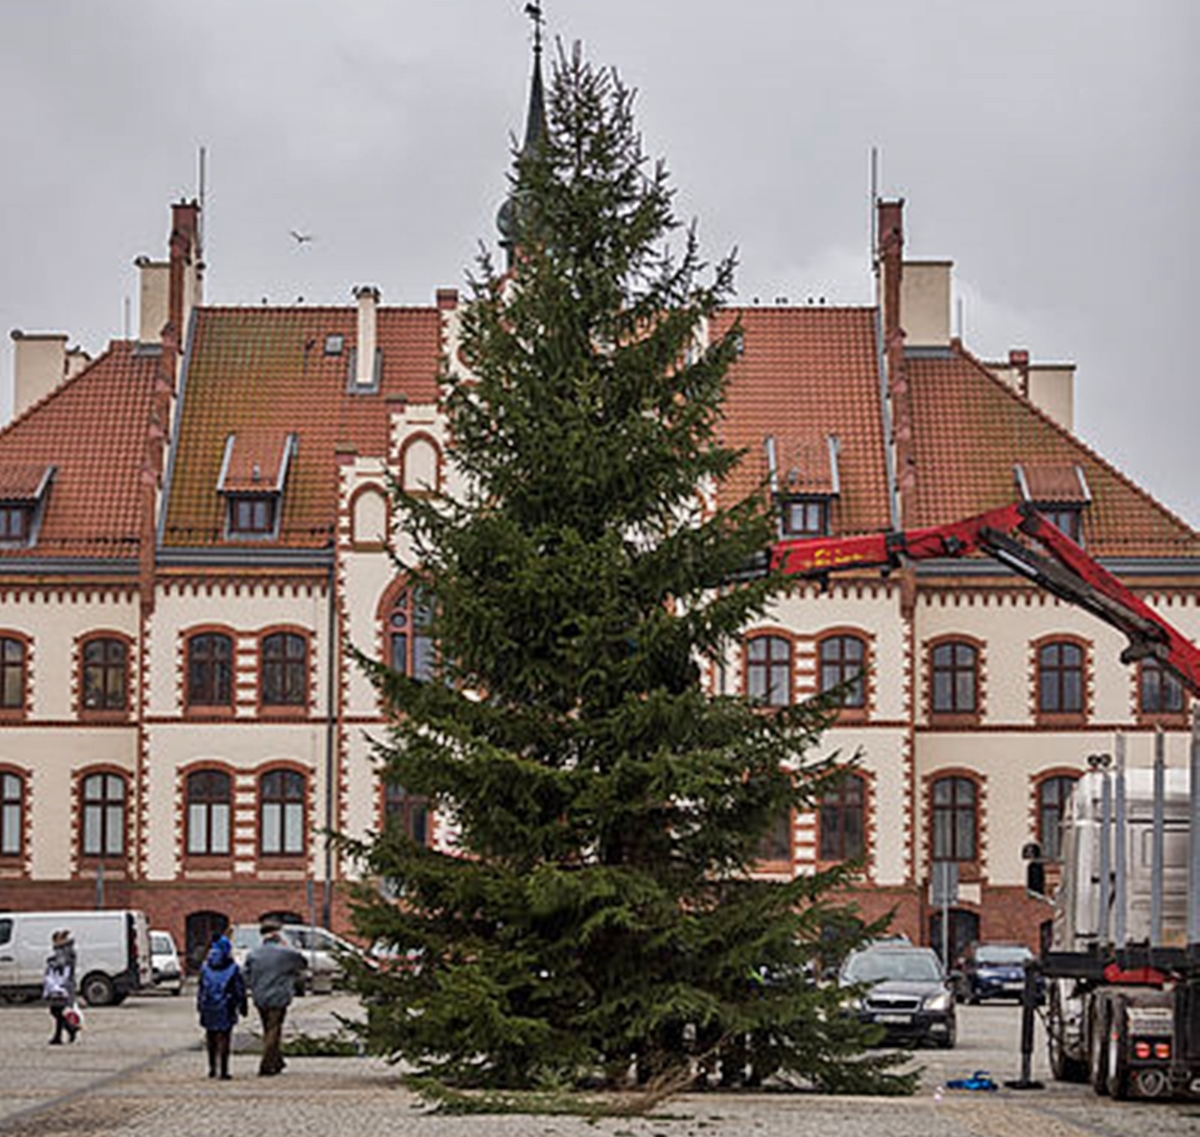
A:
367,296
39,365
925,303
154,299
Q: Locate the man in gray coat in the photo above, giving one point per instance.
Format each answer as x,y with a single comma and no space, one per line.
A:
271,970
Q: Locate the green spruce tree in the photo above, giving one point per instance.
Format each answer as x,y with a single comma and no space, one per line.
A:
598,915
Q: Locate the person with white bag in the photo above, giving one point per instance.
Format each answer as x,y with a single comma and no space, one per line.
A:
58,987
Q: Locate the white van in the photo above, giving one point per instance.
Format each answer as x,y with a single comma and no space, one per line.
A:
112,952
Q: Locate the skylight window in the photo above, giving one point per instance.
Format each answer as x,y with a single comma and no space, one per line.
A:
335,343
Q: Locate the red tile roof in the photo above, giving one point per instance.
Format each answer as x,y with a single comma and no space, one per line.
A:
257,459
23,482
261,373
94,431
969,432
1061,485
805,374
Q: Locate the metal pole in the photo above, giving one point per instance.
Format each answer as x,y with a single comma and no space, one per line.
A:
333,662
1120,927
1156,840
1193,909
946,928
1105,855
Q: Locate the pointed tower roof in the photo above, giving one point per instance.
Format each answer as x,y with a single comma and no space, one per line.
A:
535,130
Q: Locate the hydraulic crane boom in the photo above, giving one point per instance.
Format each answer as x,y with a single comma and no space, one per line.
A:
1064,569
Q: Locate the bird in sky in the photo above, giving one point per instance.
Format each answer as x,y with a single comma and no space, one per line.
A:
301,238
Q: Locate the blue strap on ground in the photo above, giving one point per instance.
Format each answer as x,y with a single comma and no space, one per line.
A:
977,1081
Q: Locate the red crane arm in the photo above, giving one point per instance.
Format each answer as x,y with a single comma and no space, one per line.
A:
1067,571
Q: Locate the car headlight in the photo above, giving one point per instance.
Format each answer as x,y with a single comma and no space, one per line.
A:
939,1002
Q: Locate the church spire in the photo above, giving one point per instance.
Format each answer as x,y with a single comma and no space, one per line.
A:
535,129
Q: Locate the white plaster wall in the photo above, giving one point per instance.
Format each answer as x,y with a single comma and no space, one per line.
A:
925,303
1052,389
54,622
244,747
54,756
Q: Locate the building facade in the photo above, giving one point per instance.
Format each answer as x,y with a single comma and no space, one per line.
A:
194,535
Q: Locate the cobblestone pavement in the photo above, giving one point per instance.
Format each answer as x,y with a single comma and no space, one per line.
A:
138,1069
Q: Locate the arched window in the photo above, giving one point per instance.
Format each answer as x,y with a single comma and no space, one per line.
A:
1053,795
281,813
284,670
955,819
409,812
842,662
12,674
776,844
12,810
210,670
209,807
769,670
840,819
103,815
1159,690
1060,678
955,674
409,641
105,674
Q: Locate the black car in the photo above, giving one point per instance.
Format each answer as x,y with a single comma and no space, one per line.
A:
906,992
994,971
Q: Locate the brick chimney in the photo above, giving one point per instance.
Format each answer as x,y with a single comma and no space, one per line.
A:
367,296
39,365
890,261
184,286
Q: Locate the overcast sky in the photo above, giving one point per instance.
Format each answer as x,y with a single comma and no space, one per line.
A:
1051,148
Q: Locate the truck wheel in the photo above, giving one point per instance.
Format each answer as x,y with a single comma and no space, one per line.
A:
1117,1065
1062,1065
98,990
1098,1048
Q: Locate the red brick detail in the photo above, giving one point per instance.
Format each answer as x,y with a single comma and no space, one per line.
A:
19,865
77,686
969,871
955,720
88,866
416,489
21,713
870,681
373,542
1067,719
310,667
206,711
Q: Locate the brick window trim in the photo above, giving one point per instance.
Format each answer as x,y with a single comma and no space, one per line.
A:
955,719
968,871
19,714
207,710
89,863
415,490
203,861
283,860
768,631
361,543
866,870
381,814
1175,720
87,714
847,715
20,858
1053,719
284,710
1036,782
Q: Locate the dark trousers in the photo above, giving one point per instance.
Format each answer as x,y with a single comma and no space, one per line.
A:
61,1024
272,1025
217,1044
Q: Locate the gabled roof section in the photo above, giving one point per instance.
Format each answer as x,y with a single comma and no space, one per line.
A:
1047,483
261,374
971,431
94,431
804,375
807,465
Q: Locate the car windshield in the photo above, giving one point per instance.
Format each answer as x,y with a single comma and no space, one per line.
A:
160,943
880,966
1003,953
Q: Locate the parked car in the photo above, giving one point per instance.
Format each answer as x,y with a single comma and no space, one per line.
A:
994,971
323,950
906,992
164,962
112,952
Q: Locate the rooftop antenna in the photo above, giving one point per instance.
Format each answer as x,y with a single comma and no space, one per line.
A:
874,210
960,319
127,318
200,223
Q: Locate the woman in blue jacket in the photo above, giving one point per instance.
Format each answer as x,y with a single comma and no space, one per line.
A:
220,999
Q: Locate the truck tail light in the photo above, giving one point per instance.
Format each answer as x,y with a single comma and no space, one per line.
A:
1162,1051
1141,1050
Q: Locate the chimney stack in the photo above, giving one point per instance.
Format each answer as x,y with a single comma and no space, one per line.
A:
890,263
39,365
367,296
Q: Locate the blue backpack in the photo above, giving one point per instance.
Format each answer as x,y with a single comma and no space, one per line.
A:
214,988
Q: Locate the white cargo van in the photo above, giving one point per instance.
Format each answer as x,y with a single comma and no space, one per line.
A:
112,952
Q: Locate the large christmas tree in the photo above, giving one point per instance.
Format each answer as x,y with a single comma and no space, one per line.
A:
598,914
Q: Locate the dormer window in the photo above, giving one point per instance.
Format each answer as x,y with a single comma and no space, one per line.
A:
803,474
15,522
805,516
253,475
251,516
23,494
1059,493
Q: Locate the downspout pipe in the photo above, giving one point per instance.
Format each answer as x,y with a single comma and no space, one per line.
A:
330,741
